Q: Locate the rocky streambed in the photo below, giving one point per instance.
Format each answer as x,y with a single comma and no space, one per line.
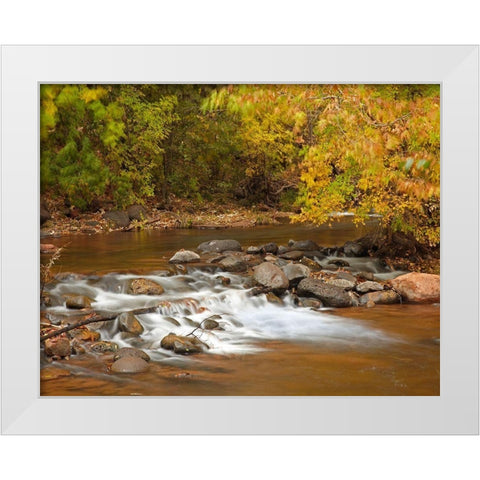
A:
218,300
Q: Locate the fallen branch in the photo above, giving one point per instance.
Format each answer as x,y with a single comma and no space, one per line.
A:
95,317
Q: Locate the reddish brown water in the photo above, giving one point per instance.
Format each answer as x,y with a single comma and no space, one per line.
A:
407,364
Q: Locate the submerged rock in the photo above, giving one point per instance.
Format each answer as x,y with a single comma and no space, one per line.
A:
144,286
48,248
418,287
127,322
78,302
103,347
386,297
270,276
131,352
210,324
220,246
185,256
129,364
330,295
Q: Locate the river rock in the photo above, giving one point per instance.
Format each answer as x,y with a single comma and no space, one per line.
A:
136,212
353,249
346,276
220,246
270,276
185,256
311,264
252,250
386,297
295,272
342,283
144,286
210,324
103,347
233,264
369,286
129,365
78,302
330,295
119,218
131,352
127,322
292,255
311,303
314,254
272,298
338,262
58,347
418,287
182,345
269,248
303,245
366,276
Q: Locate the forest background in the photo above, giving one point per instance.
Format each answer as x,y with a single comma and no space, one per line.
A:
309,149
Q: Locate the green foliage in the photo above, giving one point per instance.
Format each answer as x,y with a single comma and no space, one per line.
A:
324,148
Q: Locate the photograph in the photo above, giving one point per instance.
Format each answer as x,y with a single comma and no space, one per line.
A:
239,239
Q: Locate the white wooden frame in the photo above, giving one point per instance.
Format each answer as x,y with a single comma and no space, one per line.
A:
455,411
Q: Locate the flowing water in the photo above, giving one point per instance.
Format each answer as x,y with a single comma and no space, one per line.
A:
262,348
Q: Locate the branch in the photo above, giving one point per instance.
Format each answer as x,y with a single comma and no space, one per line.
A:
95,317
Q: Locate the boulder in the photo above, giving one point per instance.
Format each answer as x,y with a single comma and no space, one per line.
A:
295,272
144,286
58,347
182,345
119,218
233,264
78,302
353,249
292,255
220,246
385,297
269,248
346,276
136,212
369,286
303,245
127,322
185,256
330,295
314,254
342,283
129,364
270,276
418,287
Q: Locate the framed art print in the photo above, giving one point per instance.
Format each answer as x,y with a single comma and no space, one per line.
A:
276,239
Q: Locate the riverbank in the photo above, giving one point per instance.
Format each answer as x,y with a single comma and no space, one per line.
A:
59,220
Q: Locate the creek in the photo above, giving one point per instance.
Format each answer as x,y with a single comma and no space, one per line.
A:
262,348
